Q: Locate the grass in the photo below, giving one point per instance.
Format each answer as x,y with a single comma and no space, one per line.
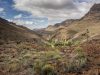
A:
14,65
48,70
44,62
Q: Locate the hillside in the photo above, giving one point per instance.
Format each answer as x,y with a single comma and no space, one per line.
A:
11,32
73,29
27,52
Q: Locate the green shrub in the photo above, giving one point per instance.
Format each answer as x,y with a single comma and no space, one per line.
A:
14,65
43,59
80,59
75,63
77,43
48,70
51,43
37,66
27,55
69,43
52,55
79,52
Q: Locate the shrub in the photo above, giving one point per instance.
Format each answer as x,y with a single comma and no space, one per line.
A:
14,65
42,61
52,55
51,43
48,70
37,66
77,61
27,55
70,66
69,43
77,43
80,59
79,52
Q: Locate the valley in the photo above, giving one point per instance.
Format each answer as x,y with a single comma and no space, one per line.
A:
68,48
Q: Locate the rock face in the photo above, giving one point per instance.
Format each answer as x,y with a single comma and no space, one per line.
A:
94,13
73,29
95,8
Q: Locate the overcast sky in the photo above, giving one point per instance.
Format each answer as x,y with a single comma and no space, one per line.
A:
41,13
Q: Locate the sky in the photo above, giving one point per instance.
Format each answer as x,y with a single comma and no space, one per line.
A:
41,13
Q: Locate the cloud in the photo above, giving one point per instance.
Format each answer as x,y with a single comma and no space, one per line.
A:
28,24
1,9
54,10
97,1
18,16
30,21
2,12
49,8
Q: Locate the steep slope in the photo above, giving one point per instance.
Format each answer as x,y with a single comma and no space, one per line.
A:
73,29
11,32
90,21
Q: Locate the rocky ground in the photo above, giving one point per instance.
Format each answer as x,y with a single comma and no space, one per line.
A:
29,59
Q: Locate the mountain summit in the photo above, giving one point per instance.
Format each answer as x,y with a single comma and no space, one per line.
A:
94,12
95,8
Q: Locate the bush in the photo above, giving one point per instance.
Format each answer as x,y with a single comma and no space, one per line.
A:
80,59
42,61
77,61
69,43
37,66
52,55
79,52
77,43
48,70
14,65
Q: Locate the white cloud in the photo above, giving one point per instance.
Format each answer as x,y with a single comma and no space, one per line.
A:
52,9
18,16
31,23
2,12
97,1
28,24
1,9
22,22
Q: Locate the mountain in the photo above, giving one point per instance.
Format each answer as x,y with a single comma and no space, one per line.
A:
75,28
11,32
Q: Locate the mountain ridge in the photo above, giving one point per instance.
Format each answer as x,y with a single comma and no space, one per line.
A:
70,28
